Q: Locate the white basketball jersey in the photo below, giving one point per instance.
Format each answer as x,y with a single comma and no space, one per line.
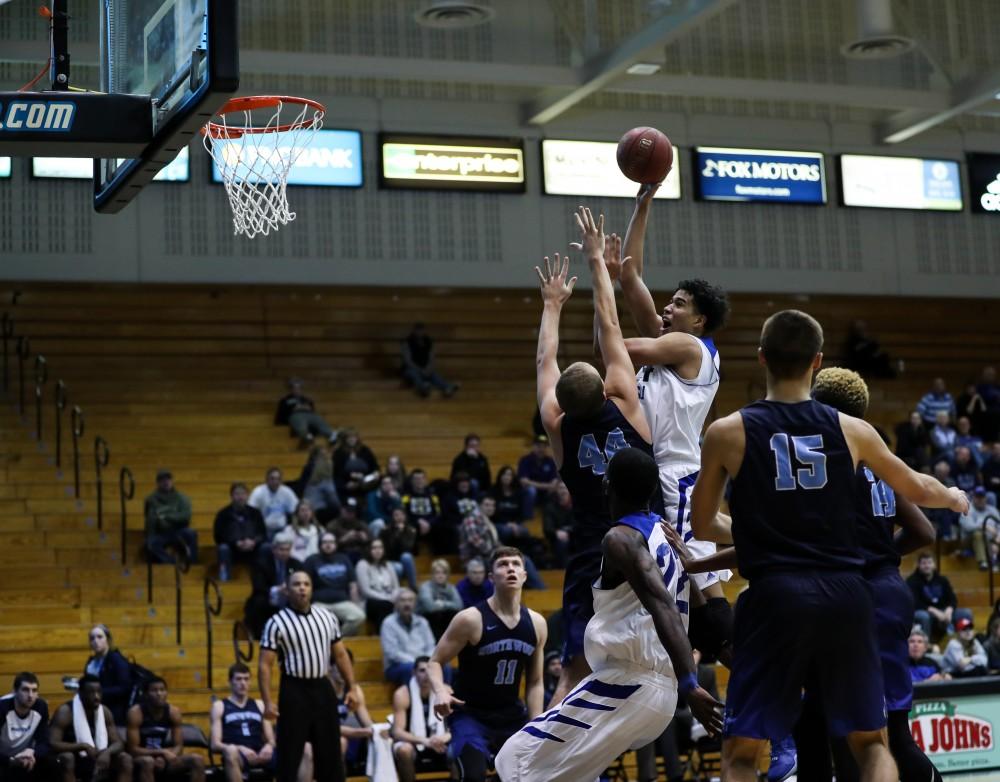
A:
621,629
676,408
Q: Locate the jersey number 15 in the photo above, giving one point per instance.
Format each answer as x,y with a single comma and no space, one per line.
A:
808,453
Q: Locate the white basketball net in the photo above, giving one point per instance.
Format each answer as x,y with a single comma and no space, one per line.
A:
255,166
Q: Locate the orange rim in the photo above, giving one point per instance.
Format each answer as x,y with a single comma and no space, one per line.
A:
254,102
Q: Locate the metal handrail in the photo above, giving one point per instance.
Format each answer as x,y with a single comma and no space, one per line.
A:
78,424
41,378
240,629
23,351
124,495
182,563
6,332
102,454
991,559
60,394
210,587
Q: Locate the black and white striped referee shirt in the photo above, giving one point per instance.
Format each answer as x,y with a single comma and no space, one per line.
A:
303,640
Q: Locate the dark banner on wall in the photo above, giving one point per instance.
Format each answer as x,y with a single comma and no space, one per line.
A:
984,183
452,163
723,174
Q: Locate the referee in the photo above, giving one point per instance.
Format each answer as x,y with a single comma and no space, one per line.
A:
306,638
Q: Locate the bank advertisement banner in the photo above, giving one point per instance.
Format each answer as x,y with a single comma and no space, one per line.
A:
780,176
901,183
332,158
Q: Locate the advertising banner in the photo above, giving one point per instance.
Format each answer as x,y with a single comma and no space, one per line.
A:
452,163
331,159
958,733
779,176
177,170
900,183
590,168
984,183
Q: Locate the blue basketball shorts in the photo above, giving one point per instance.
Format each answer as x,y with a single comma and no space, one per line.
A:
893,620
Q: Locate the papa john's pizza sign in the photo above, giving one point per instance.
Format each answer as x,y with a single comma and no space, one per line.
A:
957,734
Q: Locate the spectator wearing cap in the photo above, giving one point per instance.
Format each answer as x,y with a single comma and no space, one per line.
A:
274,500
475,587
538,475
922,667
473,463
352,533
419,370
936,401
238,531
298,413
168,521
980,528
964,656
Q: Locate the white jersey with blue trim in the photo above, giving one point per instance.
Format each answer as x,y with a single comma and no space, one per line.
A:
621,630
676,408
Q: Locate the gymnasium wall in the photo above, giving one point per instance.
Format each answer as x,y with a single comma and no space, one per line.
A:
183,233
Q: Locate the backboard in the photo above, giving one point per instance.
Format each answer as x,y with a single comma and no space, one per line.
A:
183,55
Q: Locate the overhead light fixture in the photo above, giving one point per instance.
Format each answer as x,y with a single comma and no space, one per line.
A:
643,69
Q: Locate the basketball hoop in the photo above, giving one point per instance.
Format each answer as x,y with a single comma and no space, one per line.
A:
255,156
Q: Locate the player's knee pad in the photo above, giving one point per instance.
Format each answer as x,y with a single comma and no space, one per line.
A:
711,627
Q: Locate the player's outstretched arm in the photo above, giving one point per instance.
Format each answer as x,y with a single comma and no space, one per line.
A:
638,299
534,681
924,490
723,559
721,455
556,290
461,631
625,552
916,531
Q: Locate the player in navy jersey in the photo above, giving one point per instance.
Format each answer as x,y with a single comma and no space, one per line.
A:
793,465
498,642
588,419
879,511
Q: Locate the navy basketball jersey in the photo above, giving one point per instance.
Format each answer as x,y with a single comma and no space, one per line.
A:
155,733
588,445
876,519
242,725
794,499
490,672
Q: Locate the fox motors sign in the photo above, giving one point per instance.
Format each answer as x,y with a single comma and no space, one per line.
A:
938,727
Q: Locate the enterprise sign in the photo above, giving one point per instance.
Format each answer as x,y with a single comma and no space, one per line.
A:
759,175
177,170
590,168
900,183
452,163
984,181
4,167
332,159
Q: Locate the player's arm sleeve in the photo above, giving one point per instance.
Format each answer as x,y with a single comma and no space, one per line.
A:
638,299
546,364
619,377
669,349
625,550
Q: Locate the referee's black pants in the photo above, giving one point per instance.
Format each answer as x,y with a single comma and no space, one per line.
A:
307,711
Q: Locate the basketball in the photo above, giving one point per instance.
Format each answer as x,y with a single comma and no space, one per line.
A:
645,155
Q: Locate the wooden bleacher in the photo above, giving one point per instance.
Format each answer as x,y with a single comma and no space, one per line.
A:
187,377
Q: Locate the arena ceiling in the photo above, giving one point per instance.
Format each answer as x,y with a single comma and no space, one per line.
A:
554,58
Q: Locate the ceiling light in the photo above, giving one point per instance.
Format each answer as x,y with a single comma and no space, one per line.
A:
643,69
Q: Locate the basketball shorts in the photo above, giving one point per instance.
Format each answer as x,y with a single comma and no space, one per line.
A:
793,626
610,712
484,733
676,483
893,620
582,571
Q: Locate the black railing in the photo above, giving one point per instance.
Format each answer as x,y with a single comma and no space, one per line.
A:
126,491
241,633
23,351
991,558
212,598
6,332
41,378
101,457
182,563
60,406
78,425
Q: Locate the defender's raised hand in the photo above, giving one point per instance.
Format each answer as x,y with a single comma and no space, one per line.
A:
555,287
592,234
613,260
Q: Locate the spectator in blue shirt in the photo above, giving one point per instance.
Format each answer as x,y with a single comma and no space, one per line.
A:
964,436
943,437
935,401
922,667
475,587
538,475
964,470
